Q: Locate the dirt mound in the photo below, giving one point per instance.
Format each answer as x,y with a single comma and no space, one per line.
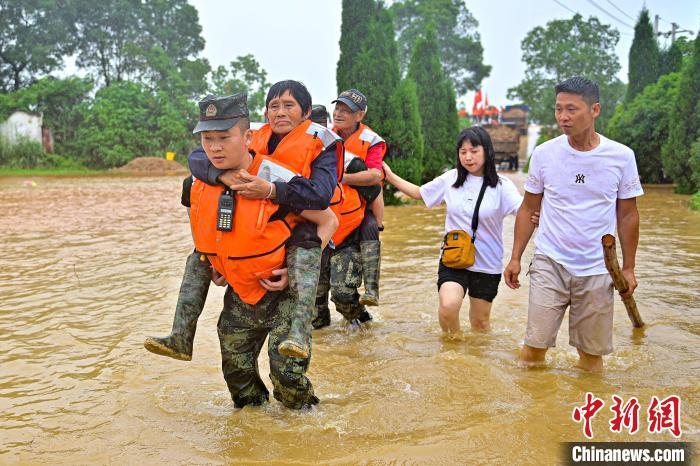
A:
152,166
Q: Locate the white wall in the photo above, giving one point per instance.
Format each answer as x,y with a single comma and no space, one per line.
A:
22,125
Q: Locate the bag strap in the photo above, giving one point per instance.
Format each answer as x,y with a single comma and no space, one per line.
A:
475,217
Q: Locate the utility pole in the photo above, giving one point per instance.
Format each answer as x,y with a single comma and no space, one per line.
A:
656,25
672,33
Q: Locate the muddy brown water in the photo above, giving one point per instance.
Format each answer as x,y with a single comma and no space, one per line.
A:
90,266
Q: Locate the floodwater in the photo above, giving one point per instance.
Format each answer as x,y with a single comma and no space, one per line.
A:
92,265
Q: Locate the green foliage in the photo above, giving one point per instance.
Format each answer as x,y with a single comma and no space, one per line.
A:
35,35
126,120
58,99
566,48
354,28
643,125
376,72
547,133
644,57
244,75
460,49
672,58
695,161
23,154
406,145
436,99
684,129
132,40
695,201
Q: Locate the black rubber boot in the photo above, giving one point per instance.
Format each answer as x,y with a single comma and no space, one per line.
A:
190,302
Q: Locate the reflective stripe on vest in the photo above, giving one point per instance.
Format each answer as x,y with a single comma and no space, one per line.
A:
352,209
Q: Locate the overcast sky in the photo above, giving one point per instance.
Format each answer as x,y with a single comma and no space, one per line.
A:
298,39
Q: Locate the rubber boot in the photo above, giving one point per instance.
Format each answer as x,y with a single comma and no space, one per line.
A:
303,268
322,318
370,253
323,315
190,302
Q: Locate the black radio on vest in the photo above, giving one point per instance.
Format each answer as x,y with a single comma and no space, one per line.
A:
224,220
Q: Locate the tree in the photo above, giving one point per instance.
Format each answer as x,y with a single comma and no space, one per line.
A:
643,125
406,144
460,49
120,39
695,166
58,100
644,57
672,58
566,48
436,100
126,120
34,38
685,127
355,20
375,71
244,75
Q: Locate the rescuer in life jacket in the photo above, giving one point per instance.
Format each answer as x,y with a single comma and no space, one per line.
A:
291,138
356,257
244,241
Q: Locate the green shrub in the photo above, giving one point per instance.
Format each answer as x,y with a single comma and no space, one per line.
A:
695,201
23,154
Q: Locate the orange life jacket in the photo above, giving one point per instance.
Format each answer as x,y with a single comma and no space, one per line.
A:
255,246
352,209
290,148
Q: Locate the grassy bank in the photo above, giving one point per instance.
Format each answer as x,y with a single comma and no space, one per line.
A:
44,171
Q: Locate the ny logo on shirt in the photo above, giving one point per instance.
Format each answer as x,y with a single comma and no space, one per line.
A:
580,178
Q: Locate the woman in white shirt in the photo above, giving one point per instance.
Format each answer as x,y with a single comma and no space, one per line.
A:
459,189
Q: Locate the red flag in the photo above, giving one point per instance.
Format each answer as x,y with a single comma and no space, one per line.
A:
477,102
486,102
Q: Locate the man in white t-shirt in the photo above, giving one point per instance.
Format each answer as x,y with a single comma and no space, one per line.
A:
584,186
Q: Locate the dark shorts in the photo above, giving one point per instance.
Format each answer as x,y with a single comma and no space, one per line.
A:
476,284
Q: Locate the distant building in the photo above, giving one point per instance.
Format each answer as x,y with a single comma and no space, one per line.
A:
28,126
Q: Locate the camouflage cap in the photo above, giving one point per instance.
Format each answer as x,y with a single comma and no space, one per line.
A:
218,113
354,99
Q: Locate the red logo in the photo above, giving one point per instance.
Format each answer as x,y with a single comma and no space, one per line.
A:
661,415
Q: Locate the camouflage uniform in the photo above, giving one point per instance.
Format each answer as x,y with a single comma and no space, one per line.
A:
242,330
190,302
322,316
345,278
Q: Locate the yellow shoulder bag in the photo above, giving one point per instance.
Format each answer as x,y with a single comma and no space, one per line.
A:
458,249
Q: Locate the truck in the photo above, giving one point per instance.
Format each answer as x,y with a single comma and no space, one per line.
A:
506,144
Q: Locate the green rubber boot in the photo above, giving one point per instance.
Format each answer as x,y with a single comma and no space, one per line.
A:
304,266
371,258
190,302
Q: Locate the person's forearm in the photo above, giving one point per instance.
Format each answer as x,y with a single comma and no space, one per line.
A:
202,168
371,177
628,230
523,231
406,187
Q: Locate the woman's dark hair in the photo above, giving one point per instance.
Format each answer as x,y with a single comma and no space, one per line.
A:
477,136
296,88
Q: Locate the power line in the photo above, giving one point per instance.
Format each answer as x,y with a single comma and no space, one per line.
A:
621,11
609,14
577,13
564,6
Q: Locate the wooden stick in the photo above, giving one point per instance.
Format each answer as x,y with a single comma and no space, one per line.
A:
619,281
